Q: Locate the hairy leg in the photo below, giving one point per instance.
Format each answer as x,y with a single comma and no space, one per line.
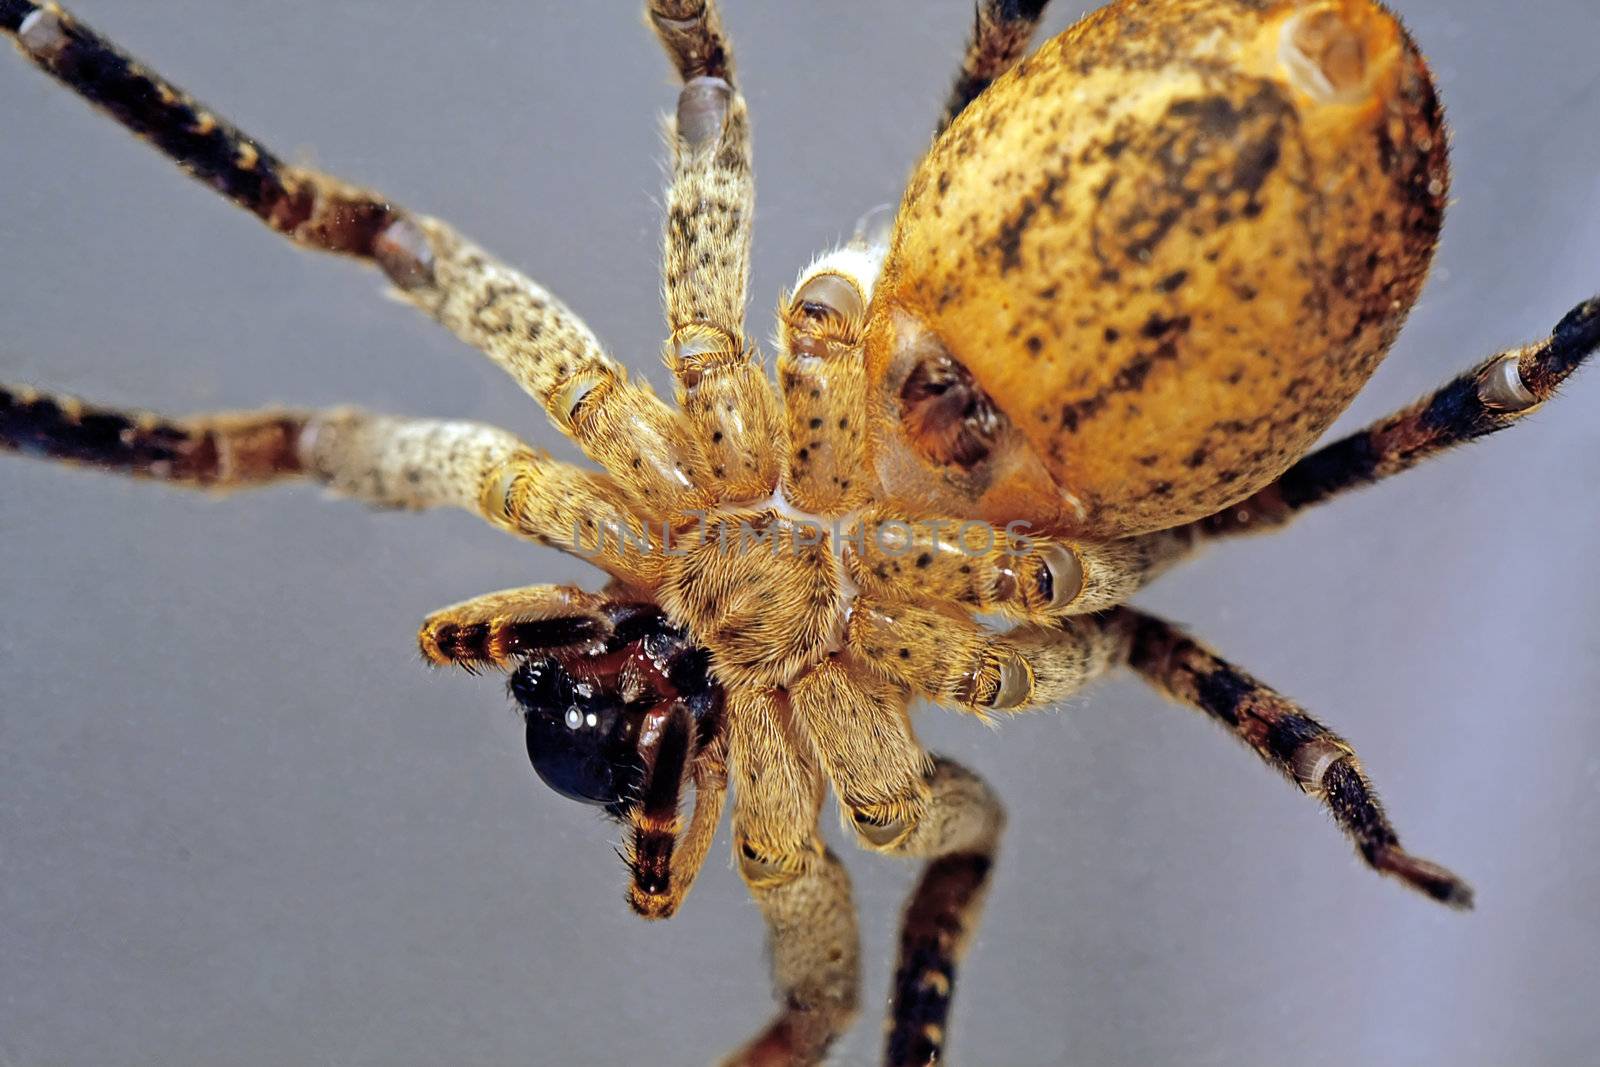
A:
532,336
220,451
860,727
959,663
683,742
691,842
800,887
721,385
691,33
900,802
497,629
1013,574
823,374
382,460
1000,37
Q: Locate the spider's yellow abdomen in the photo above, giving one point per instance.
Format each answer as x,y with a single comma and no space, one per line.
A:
1168,249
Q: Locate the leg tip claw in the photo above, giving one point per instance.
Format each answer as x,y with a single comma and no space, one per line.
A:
1430,879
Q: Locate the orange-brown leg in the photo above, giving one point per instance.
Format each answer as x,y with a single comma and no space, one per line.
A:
498,629
902,803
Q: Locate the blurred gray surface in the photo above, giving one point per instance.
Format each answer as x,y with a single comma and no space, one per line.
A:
239,823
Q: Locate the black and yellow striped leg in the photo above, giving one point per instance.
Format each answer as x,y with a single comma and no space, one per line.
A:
1310,755
1490,397
1001,33
959,834
221,451
310,208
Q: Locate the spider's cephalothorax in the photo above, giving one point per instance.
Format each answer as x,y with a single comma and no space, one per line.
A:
1133,280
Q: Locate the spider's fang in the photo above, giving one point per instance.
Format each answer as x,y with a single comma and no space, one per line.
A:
703,111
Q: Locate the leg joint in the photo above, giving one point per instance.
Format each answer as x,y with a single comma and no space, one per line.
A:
763,865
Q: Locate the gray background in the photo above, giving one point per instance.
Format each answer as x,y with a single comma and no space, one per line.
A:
239,823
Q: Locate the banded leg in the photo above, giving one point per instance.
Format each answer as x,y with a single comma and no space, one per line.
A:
517,323
1307,753
653,817
223,451
959,835
721,386
380,460
683,742
800,887
1000,37
709,773
1492,396
497,629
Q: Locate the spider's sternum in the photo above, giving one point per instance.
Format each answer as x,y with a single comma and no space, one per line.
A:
764,585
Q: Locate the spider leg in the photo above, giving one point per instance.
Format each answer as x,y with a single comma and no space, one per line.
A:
518,324
860,726
959,836
901,802
800,887
666,745
1307,753
1000,37
721,386
220,451
955,661
385,461
497,629
959,663
691,33
823,374
988,569
1492,396
683,741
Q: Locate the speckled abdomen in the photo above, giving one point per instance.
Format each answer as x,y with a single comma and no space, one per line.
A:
1168,249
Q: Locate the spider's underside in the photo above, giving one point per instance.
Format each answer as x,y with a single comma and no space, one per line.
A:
819,643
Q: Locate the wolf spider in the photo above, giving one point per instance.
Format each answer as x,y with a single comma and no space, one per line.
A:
784,581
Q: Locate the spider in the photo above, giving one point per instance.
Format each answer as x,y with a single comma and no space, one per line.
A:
790,568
